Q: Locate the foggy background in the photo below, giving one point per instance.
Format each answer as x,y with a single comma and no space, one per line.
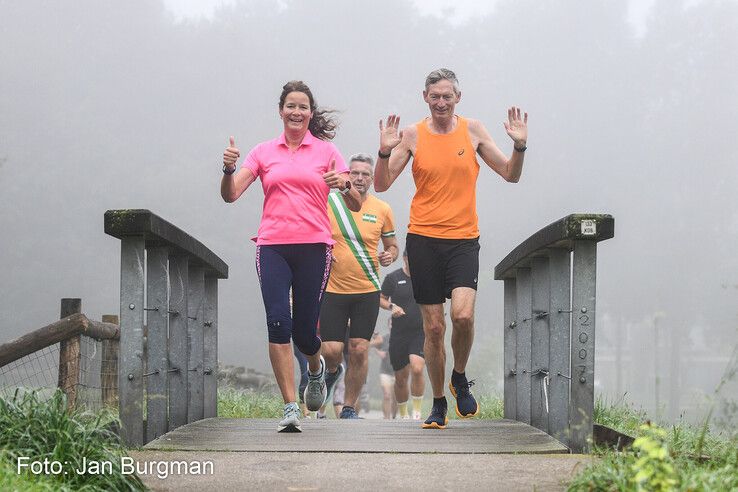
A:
111,105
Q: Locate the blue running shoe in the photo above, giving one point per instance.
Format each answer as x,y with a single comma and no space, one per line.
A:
437,418
332,379
291,420
315,390
466,405
348,412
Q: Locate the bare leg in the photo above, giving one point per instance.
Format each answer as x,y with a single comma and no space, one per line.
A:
333,354
358,366
281,356
387,400
434,326
313,362
462,318
417,380
401,390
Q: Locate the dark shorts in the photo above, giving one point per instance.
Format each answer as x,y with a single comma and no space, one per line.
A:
338,310
401,346
438,266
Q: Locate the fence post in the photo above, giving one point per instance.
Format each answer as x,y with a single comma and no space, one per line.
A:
560,337
179,307
583,345
510,330
109,366
70,355
195,408
523,344
210,348
157,362
540,303
130,379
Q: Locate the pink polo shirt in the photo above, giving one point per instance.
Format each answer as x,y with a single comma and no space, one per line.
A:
295,195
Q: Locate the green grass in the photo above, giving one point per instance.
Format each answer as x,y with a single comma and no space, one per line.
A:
693,458
42,429
235,403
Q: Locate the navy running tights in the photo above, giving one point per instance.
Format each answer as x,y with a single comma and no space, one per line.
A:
305,269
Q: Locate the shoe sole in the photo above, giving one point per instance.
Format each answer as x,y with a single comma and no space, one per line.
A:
435,425
456,407
289,428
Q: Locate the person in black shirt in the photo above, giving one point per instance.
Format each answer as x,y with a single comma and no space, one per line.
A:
406,342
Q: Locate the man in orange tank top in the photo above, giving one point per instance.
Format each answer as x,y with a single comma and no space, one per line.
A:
443,235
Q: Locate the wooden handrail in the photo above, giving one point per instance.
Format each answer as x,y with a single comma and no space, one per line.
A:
58,331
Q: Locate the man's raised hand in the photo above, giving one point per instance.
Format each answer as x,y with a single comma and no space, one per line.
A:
517,126
231,155
389,134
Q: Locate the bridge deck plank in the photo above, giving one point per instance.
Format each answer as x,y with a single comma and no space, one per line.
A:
359,436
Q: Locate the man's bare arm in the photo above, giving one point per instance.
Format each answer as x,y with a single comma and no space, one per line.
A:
398,146
509,168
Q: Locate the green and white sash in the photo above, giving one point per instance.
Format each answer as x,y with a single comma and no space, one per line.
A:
353,238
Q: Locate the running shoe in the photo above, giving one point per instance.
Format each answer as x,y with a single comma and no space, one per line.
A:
466,405
315,391
437,418
332,379
291,420
348,412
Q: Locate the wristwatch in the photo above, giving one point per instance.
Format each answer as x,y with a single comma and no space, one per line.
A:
346,189
227,171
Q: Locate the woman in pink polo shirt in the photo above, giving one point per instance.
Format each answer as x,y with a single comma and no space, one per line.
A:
293,245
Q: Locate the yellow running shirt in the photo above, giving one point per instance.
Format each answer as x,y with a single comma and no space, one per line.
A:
357,235
445,171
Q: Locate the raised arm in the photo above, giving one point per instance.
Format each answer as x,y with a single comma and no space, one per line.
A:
517,129
395,150
234,183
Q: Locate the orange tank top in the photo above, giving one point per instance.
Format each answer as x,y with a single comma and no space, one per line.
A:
445,171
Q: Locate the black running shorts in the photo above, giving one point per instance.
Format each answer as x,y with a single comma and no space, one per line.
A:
438,266
338,310
402,345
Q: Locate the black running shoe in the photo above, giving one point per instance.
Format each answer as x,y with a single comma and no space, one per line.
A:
466,405
437,418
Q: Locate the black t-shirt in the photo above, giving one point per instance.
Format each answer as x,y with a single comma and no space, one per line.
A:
399,289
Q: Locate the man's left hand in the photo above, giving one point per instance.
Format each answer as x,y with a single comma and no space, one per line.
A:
385,258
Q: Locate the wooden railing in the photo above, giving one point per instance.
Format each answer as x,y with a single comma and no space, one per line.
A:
549,332
178,277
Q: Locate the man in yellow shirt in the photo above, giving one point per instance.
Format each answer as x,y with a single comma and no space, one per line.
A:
351,300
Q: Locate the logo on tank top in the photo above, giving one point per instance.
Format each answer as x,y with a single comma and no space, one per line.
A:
461,152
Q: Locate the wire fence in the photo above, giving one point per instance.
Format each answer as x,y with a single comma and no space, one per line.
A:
91,381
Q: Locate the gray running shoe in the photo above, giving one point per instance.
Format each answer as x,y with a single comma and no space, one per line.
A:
291,420
315,392
332,379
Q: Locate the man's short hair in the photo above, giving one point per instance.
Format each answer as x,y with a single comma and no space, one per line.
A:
442,74
362,157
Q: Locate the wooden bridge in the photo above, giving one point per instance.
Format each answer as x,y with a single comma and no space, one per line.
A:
169,282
